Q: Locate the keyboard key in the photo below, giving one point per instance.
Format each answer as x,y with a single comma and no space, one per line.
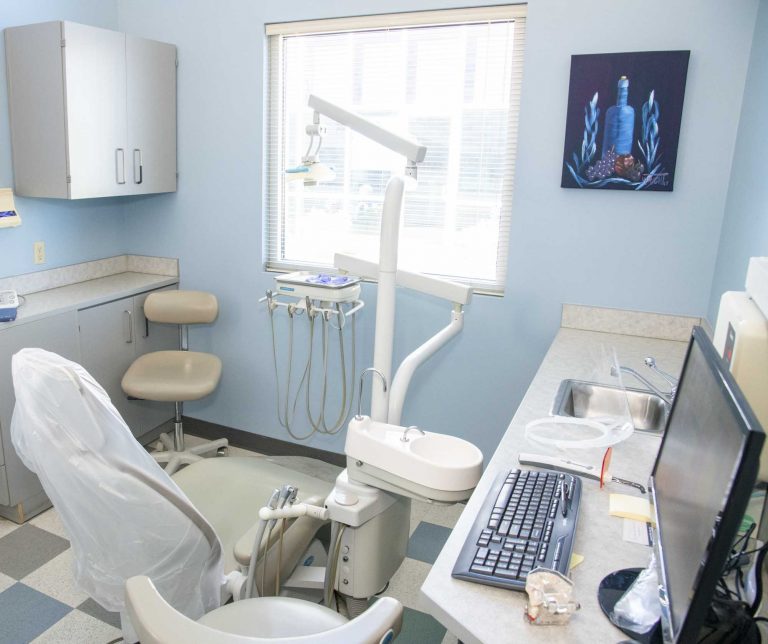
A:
482,570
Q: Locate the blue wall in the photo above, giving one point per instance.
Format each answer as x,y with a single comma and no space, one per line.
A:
745,224
73,231
653,252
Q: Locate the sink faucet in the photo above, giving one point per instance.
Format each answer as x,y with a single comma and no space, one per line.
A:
650,362
404,437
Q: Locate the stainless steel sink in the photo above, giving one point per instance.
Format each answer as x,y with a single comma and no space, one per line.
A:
592,400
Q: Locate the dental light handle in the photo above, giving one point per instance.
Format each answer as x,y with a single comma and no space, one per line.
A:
294,511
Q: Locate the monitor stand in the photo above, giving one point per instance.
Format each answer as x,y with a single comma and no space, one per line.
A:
611,590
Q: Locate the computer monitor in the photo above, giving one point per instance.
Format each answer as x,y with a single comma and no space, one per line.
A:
704,475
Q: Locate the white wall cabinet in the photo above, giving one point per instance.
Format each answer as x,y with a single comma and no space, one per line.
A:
93,111
105,339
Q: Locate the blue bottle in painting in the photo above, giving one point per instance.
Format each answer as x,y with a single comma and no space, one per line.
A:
620,122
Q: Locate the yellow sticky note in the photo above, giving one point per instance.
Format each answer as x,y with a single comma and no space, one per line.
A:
576,560
629,507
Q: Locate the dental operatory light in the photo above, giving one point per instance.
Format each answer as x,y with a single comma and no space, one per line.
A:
312,171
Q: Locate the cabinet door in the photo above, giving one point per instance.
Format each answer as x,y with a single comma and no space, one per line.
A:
95,81
107,348
151,99
58,334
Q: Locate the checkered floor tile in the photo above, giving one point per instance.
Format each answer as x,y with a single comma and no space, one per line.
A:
39,601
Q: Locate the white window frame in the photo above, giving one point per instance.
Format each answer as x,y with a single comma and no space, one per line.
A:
274,163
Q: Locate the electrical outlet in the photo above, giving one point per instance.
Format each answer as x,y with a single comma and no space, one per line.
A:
39,252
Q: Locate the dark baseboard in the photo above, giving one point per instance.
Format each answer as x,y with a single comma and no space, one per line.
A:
258,443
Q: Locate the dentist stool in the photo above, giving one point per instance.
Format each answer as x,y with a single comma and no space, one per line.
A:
177,376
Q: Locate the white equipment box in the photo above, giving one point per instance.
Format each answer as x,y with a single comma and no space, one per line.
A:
741,338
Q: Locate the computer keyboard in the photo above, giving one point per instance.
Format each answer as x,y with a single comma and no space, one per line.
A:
520,527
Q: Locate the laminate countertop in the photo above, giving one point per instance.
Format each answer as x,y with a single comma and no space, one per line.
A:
478,613
85,294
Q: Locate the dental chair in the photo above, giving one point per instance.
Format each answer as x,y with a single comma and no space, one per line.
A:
268,620
177,376
127,518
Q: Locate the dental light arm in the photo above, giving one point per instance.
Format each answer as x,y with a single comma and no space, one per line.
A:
458,294
437,287
410,149
383,407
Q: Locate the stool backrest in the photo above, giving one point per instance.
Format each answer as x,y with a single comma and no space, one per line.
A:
181,307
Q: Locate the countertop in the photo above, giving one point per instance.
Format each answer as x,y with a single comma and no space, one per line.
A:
86,294
477,613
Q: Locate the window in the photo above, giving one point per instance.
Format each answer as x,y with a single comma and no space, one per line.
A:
451,79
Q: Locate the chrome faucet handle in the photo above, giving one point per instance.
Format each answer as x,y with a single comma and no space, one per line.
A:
404,437
650,362
359,415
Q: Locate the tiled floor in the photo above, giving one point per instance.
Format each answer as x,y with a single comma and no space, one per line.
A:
39,601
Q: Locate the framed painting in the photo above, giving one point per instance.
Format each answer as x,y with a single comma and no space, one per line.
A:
623,120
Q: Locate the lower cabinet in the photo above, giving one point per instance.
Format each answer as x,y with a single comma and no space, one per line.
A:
105,339
112,336
24,495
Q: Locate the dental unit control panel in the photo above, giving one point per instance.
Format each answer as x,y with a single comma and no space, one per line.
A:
327,287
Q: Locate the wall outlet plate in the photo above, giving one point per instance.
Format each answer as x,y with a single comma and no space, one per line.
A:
39,250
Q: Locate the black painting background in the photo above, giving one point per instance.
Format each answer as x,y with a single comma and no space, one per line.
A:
662,71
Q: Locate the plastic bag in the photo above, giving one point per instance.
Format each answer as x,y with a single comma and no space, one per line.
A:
639,608
566,432
124,514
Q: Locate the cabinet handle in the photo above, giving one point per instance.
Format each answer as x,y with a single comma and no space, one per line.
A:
139,165
129,321
120,165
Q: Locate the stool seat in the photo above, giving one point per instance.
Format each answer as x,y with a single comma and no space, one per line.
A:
172,376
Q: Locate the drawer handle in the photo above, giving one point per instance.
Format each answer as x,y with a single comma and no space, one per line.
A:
120,165
137,163
129,320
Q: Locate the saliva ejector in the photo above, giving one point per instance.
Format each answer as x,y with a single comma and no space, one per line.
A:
334,300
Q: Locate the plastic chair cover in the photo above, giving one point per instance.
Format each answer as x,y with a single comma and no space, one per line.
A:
124,514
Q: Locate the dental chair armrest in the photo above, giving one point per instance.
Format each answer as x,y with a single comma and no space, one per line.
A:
157,622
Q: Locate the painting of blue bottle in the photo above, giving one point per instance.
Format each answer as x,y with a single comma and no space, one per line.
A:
623,120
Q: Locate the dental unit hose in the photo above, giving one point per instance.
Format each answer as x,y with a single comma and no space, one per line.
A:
286,412
278,499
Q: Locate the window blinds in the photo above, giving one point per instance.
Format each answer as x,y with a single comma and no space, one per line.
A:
451,79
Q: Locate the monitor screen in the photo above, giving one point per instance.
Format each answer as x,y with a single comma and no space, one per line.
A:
702,480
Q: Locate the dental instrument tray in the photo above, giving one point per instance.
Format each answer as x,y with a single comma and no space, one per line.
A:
527,521
328,287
